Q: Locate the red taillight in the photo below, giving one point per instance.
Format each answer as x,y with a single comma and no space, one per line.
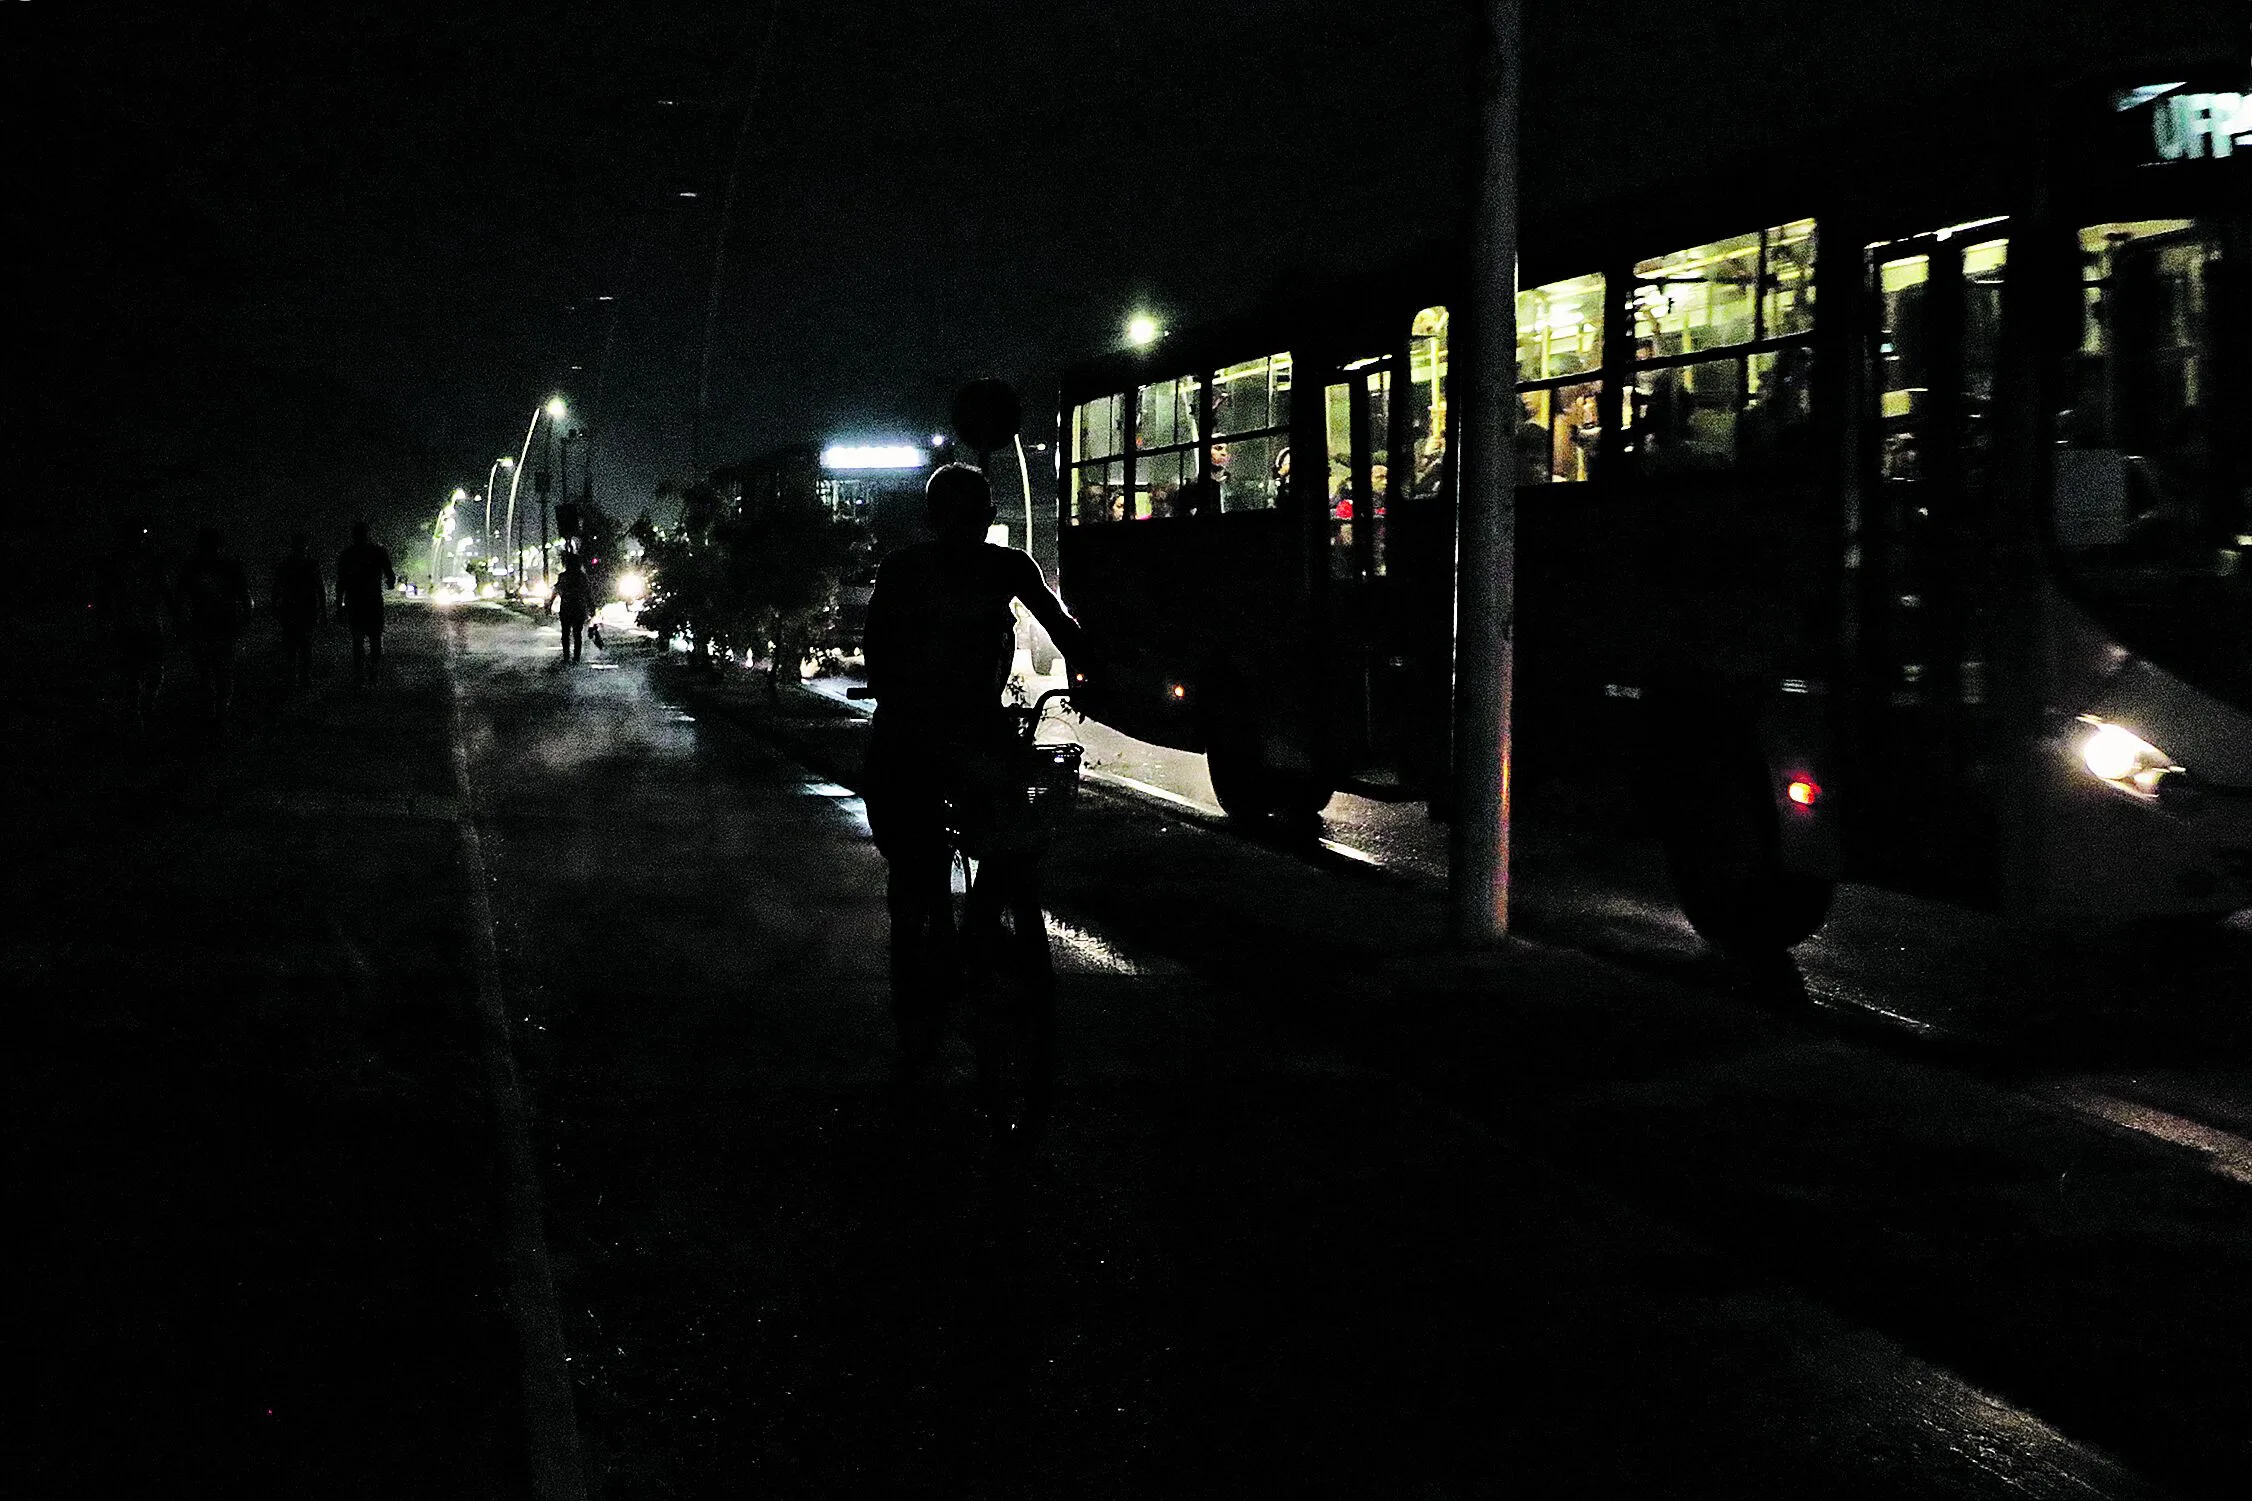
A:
1804,791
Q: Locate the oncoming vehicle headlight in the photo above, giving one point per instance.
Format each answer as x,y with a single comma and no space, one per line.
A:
2118,756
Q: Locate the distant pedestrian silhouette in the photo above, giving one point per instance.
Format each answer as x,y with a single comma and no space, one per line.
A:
215,597
299,602
130,607
363,572
574,602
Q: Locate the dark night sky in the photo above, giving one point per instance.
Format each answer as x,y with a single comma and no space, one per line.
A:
291,263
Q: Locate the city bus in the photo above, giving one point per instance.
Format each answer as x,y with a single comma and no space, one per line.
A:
1890,521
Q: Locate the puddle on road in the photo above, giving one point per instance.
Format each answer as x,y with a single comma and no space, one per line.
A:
1078,949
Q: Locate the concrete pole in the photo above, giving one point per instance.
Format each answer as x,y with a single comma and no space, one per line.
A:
515,525
1486,536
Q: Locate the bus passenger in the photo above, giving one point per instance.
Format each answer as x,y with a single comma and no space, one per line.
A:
1533,456
1199,497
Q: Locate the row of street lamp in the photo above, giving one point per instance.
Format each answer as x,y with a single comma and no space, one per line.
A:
1141,331
556,411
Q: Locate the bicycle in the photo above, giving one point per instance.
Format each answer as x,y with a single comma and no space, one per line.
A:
999,816
996,836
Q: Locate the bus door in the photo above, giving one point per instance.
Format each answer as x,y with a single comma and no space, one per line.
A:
1928,562
1357,422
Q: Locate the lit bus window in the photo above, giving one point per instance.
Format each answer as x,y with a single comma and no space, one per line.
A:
1426,411
1252,397
1710,297
1557,432
1983,267
1249,471
1903,383
1161,484
1560,328
1165,480
1559,343
2140,391
1097,432
1251,432
1723,353
1097,481
1098,492
1788,306
1165,413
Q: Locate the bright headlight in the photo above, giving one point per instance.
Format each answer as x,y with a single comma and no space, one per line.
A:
2117,755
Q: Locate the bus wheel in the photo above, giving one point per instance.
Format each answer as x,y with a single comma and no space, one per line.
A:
1250,791
1721,849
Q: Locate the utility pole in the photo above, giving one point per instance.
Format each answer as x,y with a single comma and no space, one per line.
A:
540,483
719,241
1486,539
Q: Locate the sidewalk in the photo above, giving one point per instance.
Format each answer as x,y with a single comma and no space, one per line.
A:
253,1205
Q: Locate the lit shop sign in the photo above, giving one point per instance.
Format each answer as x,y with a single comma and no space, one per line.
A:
872,458
2190,127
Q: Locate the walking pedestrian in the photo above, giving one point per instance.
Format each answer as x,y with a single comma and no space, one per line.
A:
363,572
299,600
215,596
574,602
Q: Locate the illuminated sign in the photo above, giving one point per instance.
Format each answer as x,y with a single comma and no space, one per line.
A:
898,457
2187,126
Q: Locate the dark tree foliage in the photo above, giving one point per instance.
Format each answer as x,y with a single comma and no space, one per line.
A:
758,578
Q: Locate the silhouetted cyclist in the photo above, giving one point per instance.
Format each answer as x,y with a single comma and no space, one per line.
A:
574,602
939,642
131,603
299,602
214,595
363,572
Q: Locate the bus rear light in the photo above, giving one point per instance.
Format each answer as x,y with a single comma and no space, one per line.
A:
1804,791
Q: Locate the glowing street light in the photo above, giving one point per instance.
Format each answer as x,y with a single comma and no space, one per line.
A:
555,411
1142,330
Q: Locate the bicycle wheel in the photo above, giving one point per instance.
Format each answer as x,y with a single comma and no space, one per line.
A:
1009,1000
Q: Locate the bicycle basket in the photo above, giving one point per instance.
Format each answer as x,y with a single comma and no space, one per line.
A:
1028,807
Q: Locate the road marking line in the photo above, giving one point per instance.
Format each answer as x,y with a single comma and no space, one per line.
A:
550,1418
2226,1154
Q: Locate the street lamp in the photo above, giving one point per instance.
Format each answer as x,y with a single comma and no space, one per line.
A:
1142,330
555,410
503,462
440,530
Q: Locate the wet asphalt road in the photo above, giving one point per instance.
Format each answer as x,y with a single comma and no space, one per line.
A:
595,1176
